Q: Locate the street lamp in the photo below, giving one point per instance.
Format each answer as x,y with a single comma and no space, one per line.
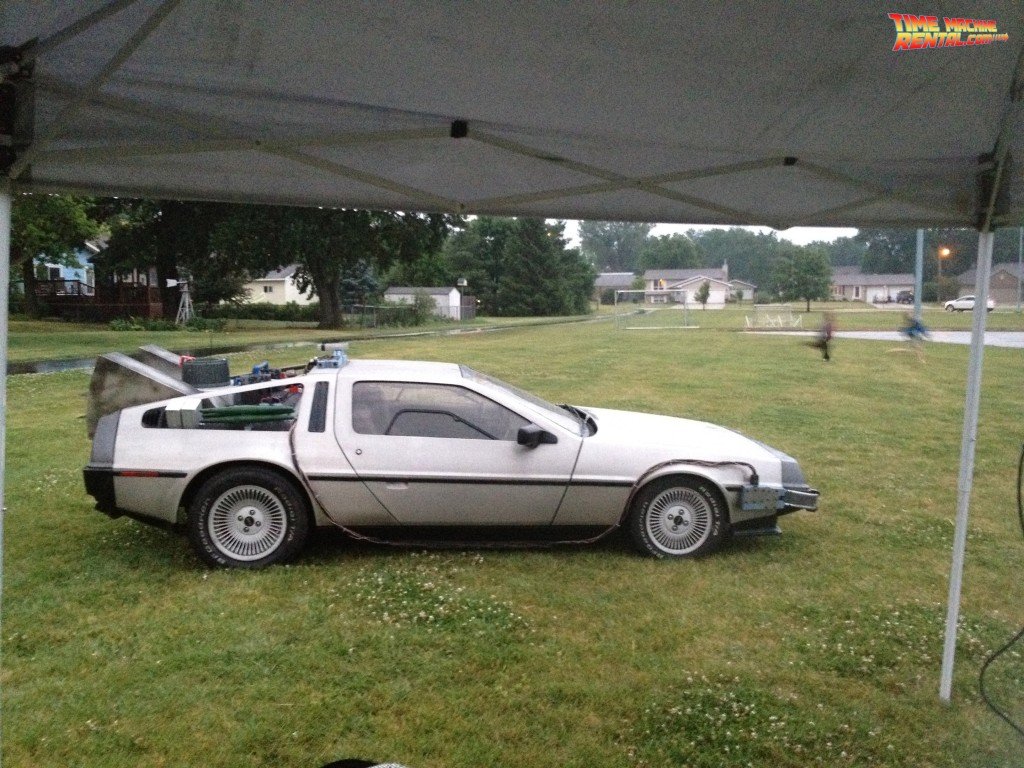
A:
943,253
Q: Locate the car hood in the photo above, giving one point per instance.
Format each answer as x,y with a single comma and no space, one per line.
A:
648,429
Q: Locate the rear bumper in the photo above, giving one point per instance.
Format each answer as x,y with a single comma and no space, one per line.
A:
99,483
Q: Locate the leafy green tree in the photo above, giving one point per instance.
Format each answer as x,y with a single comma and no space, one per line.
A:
540,276
801,274
429,270
521,267
843,251
895,250
174,236
613,246
51,227
669,252
329,245
703,294
476,254
750,255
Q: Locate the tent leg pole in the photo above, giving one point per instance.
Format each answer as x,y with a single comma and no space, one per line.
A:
918,275
5,283
968,441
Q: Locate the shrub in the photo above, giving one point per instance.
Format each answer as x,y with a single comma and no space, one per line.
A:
290,312
206,324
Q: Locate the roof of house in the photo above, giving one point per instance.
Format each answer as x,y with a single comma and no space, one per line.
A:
743,282
614,280
859,278
404,289
968,277
681,275
279,274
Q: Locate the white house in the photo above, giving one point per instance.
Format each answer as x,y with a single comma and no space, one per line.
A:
684,284
447,301
278,287
850,284
743,290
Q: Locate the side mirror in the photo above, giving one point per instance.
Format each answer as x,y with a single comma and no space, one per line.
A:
531,436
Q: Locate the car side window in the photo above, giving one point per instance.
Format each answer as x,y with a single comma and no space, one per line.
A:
405,409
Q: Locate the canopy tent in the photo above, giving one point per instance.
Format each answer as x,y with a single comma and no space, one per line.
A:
748,112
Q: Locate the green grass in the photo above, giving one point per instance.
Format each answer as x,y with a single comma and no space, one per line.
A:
36,340
819,647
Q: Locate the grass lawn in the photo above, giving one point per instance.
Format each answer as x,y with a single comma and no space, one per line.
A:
35,340
819,647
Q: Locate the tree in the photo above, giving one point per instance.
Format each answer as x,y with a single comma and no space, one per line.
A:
613,245
476,254
750,255
703,294
332,247
174,237
429,270
521,267
669,252
802,273
53,227
843,251
540,276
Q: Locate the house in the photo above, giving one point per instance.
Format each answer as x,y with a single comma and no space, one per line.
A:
64,280
447,301
278,287
850,284
742,290
612,281
683,285
1002,284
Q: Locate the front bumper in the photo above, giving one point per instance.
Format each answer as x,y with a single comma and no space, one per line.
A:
799,497
780,501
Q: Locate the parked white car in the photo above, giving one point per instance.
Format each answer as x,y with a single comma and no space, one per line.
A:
385,448
965,304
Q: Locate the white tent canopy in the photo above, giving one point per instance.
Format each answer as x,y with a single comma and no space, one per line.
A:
731,113
750,112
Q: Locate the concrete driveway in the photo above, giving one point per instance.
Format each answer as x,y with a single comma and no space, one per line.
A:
1013,339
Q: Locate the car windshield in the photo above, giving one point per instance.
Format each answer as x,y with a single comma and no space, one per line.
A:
568,419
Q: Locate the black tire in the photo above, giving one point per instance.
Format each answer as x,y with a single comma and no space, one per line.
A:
247,517
678,517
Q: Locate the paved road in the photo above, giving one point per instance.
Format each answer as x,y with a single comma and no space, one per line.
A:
1014,339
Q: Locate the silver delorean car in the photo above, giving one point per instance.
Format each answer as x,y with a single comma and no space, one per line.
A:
395,450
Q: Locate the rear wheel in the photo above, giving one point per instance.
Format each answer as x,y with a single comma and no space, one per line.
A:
247,517
678,517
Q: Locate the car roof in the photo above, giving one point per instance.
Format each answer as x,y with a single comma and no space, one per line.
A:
400,370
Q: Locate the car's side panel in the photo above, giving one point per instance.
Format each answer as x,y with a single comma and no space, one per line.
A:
452,481
337,490
153,466
593,503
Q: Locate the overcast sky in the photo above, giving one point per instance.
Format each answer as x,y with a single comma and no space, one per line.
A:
798,235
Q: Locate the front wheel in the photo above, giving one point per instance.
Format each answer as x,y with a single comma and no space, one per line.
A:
678,517
949,308
247,517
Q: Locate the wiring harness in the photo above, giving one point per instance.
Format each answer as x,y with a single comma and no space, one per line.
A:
1020,634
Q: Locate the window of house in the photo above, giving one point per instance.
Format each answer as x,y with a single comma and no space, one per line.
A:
268,289
856,291
408,409
53,273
